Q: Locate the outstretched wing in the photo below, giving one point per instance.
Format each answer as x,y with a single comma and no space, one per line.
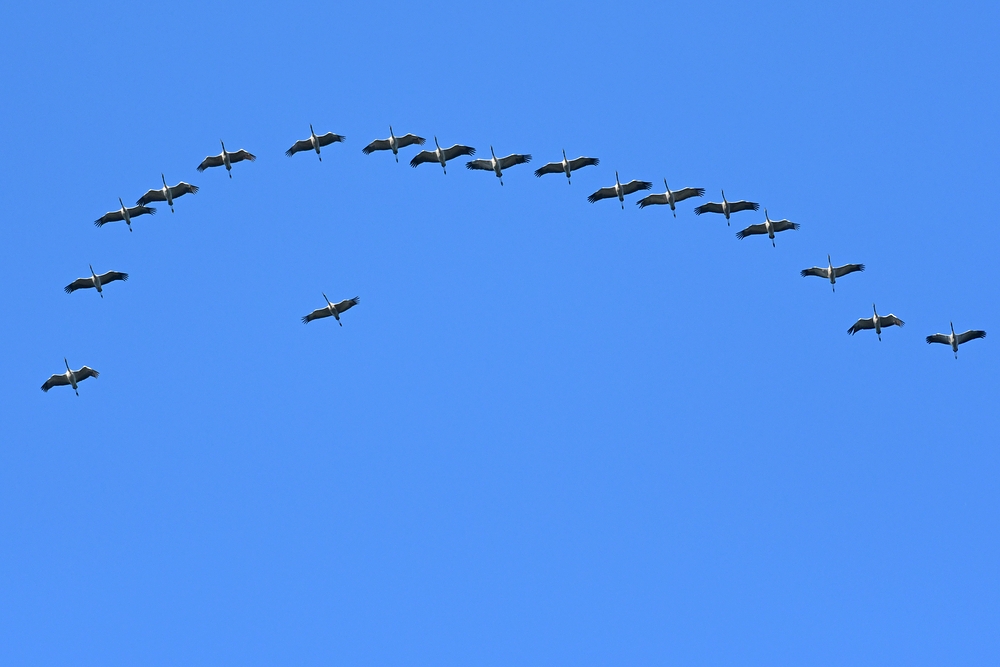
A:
110,216
710,207
581,162
377,145
550,168
737,206
330,138
316,314
784,225
485,165
971,334
603,193
423,156
211,161
751,230
241,155
79,283
183,188
513,159
151,196
839,271
58,380
346,304
409,140
890,320
636,186
652,200
456,150
303,145
84,373
944,339
818,271
112,276
687,193
860,325
141,210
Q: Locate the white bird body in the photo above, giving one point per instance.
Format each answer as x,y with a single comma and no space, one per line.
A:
566,166
314,143
331,309
393,143
441,155
619,190
727,207
97,281
768,227
167,193
670,197
832,272
124,213
70,377
954,340
497,165
876,322
226,159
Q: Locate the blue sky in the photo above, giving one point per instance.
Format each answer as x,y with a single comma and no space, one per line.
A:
552,433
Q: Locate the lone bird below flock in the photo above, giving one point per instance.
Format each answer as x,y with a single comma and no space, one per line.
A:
226,159
727,208
393,143
567,166
313,143
954,340
876,322
769,227
124,213
832,272
167,193
442,155
96,281
334,309
618,190
70,377
670,197
497,165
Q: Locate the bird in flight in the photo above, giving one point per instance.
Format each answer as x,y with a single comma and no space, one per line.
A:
769,227
393,143
442,155
670,197
70,377
876,322
313,143
226,159
619,190
124,213
954,340
334,309
566,166
727,208
167,193
832,272
497,165
95,281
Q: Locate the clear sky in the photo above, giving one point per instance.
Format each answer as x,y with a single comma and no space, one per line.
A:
553,432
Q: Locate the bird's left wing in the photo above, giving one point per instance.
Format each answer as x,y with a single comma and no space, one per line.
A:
141,210
423,156
57,380
485,165
409,140
839,271
112,276
710,207
971,334
456,150
890,320
183,188
751,230
303,145
347,304
650,200
241,155
516,158
151,196
79,283
862,324
636,186
944,339
316,314
784,225
211,161
84,373
330,138
581,162
550,168
687,193
736,206
377,145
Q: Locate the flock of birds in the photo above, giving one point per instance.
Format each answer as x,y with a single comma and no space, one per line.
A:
497,165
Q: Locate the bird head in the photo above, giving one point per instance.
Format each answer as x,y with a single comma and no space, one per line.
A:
564,153
390,131
952,328
766,216
327,300
492,153
67,364
223,145
665,185
91,269
311,130
164,179
121,202
436,143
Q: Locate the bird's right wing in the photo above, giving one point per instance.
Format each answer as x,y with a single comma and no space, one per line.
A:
112,276
710,207
330,138
409,140
79,283
346,304
687,193
890,320
141,210
653,199
736,206
971,334
839,271
456,150
110,216
183,188
603,193
377,145
303,145
550,168
423,156
316,314
241,155
514,159
944,339
817,271
211,161
751,230
861,325
151,196
57,380
485,165
635,186
581,162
